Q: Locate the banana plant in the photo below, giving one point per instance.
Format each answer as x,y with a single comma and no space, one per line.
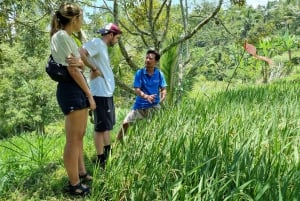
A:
289,42
267,47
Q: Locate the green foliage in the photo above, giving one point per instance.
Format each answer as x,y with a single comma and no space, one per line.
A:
33,42
26,160
122,73
27,93
268,28
227,146
224,146
169,67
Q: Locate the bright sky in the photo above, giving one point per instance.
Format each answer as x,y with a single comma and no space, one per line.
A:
255,3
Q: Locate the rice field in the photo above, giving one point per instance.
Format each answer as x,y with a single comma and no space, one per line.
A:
242,144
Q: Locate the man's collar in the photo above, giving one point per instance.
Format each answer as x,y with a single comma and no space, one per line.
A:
145,70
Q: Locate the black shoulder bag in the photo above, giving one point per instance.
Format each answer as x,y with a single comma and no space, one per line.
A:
57,72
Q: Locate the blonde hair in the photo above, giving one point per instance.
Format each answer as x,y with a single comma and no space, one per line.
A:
63,16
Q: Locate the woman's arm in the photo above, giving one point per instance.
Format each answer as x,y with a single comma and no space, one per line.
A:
75,62
75,72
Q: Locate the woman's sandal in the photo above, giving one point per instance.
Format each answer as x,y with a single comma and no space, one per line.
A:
79,189
86,177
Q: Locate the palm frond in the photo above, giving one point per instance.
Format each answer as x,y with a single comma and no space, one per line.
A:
168,65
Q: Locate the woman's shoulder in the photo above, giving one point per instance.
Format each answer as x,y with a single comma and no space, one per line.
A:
61,35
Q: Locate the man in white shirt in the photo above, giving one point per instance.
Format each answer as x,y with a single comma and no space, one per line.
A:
94,53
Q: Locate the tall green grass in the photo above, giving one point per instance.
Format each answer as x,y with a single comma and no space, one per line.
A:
238,145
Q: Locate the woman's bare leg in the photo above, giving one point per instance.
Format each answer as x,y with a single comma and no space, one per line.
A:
81,164
75,125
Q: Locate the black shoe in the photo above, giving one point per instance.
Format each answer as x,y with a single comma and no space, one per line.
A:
86,177
98,163
79,190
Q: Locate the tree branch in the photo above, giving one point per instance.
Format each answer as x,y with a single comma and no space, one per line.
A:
124,86
165,31
195,30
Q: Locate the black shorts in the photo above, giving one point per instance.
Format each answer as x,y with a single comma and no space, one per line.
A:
70,97
104,114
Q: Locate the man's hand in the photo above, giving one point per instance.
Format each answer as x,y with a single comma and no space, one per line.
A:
150,98
95,74
92,102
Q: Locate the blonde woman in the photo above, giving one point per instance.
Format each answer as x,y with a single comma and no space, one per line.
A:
74,97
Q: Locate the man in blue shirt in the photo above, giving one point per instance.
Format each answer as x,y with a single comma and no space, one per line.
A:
150,88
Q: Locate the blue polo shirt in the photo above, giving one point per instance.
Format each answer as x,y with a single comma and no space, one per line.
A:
149,84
